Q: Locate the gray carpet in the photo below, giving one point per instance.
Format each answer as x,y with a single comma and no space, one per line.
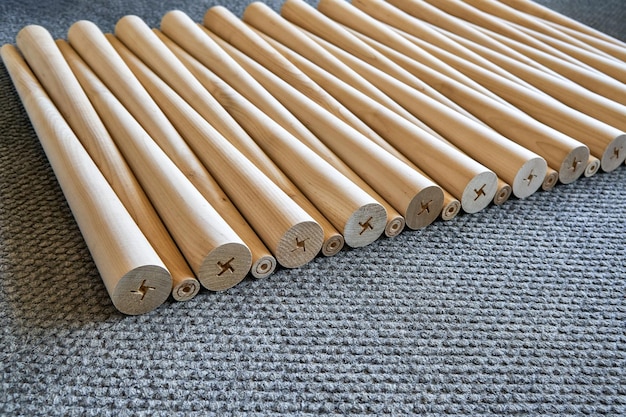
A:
519,309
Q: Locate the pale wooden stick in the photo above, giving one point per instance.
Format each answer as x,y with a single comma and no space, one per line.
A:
438,19
600,138
395,221
532,8
359,217
470,14
94,48
426,152
563,151
292,235
214,251
597,82
503,193
551,179
144,43
306,17
608,66
371,17
509,14
226,25
134,275
566,91
616,51
46,61
592,167
513,163
416,198
264,19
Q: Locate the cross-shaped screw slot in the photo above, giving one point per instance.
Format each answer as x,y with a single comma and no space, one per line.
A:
575,163
300,244
480,192
616,152
366,225
425,207
225,266
143,290
530,177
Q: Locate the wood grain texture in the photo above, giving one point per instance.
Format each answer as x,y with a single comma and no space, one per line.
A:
45,59
93,47
133,273
355,213
214,251
292,235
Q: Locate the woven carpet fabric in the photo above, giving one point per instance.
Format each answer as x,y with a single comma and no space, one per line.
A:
517,309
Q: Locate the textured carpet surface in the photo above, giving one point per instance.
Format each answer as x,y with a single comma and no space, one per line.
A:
518,309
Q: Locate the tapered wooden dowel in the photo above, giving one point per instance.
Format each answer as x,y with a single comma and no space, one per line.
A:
395,221
292,235
416,198
551,179
604,85
448,167
306,17
602,139
216,254
264,19
144,43
470,14
509,14
592,166
46,61
226,25
608,66
557,149
535,9
98,53
428,14
612,49
370,17
566,91
519,167
133,273
503,193
355,213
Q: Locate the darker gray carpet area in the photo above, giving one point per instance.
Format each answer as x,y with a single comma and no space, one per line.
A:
518,309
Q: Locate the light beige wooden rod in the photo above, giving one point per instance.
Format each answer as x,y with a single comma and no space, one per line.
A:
45,60
371,18
355,213
616,51
608,66
395,221
566,91
428,14
556,148
144,43
535,9
261,17
95,49
551,179
513,163
509,14
416,198
214,251
470,14
447,166
226,25
292,235
503,193
592,167
597,82
603,140
306,17
134,275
